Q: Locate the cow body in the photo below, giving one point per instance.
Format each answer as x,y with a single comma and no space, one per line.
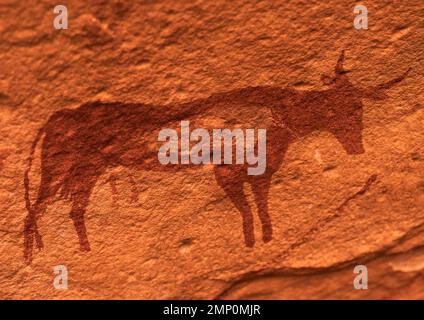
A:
79,145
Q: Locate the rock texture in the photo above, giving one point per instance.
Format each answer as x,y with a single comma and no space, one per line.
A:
157,235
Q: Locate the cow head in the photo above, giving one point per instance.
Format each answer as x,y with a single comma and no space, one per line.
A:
343,114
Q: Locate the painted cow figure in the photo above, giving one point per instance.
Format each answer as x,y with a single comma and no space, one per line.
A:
79,145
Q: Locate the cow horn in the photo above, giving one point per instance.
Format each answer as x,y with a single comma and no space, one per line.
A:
391,83
339,66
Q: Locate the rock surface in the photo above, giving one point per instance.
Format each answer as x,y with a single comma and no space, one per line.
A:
178,235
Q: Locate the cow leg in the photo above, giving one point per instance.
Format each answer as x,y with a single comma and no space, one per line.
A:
260,187
49,186
232,183
83,184
77,215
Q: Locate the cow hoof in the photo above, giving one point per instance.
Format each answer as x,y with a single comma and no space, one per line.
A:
267,239
250,243
85,247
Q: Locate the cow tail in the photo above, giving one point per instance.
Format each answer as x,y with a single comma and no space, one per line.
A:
30,228
28,168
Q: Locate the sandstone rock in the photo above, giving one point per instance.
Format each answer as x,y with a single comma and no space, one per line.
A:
158,235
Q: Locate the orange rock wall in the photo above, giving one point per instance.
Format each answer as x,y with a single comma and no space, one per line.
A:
159,234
